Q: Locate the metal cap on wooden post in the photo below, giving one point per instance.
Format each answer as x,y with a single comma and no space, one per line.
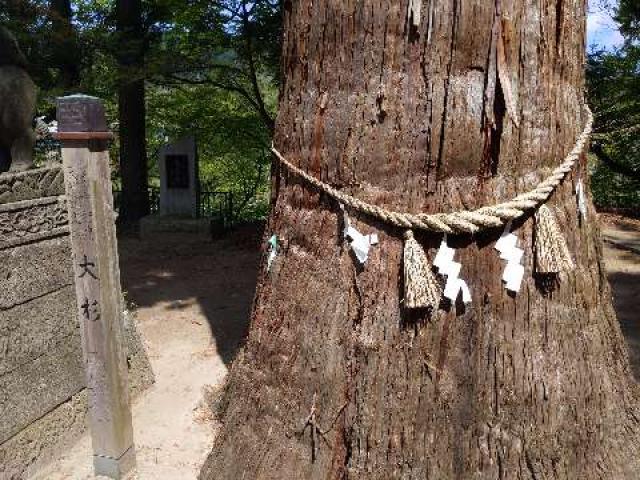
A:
83,133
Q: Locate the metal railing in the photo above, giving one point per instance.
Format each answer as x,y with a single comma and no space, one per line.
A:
218,206
154,199
215,205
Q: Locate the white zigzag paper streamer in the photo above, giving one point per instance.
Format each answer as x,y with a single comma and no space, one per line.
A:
273,250
509,251
360,244
447,267
582,202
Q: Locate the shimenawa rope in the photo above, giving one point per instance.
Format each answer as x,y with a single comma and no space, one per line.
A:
464,221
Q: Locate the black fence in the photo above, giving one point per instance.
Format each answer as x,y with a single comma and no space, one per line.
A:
152,192
216,205
213,204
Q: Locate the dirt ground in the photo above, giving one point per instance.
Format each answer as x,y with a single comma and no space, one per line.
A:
192,301
622,258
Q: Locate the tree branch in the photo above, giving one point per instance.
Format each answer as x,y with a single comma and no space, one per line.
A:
266,117
177,80
614,166
250,192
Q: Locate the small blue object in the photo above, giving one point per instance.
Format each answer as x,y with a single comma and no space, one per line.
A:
273,251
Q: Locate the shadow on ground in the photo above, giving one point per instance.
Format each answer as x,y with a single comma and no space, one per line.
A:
624,224
623,267
181,273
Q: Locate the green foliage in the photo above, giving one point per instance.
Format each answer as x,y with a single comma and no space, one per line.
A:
613,89
211,69
612,190
628,15
232,140
31,23
212,74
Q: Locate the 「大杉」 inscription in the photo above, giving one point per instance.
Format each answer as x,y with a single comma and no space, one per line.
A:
90,307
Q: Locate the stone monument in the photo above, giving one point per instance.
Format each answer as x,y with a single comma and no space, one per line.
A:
179,193
179,180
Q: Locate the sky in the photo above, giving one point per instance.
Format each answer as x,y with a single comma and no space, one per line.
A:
602,30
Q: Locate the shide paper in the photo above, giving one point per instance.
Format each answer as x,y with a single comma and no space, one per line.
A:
360,244
273,251
448,267
513,274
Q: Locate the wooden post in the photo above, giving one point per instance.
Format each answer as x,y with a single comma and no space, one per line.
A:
84,136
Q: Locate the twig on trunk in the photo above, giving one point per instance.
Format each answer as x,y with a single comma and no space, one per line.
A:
335,419
311,421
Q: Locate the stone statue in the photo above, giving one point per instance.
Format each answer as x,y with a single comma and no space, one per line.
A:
18,96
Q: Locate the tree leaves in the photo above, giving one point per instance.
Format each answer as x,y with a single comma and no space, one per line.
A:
613,81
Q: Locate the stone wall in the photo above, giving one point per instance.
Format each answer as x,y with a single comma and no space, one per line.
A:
42,402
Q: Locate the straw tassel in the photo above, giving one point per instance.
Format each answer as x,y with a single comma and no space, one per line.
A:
421,288
552,254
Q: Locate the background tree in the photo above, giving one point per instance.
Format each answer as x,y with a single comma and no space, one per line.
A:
201,45
613,80
131,47
628,15
192,57
336,379
65,51
231,45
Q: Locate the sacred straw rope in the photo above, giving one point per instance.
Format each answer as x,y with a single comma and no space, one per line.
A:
465,221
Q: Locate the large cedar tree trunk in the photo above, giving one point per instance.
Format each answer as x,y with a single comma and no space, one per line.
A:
531,386
131,111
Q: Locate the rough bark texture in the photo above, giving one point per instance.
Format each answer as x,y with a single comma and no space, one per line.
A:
133,152
531,386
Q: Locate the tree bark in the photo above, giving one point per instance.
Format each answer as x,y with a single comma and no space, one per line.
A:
66,55
529,386
131,111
